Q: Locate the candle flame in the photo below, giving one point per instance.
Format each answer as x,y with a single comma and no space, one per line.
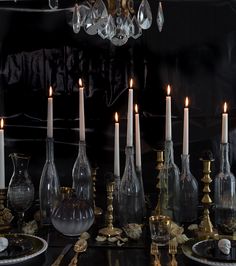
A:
168,90
2,123
50,91
116,117
131,83
136,108
186,102
225,107
80,83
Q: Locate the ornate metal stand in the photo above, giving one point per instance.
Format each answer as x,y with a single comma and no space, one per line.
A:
110,230
160,161
206,227
5,214
97,210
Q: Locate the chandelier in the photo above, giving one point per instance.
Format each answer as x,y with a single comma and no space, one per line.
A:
116,22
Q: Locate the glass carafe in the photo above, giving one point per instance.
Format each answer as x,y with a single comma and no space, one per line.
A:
130,197
225,204
49,187
170,185
188,193
20,193
81,174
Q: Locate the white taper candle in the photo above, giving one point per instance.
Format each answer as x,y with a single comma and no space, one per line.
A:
2,157
50,115
130,116
224,137
81,112
116,148
137,139
168,115
186,128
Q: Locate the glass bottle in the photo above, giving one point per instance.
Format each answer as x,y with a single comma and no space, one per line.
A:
49,187
225,204
82,177
170,185
130,197
140,177
20,193
188,192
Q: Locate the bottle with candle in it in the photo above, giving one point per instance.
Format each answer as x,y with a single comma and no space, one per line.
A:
224,184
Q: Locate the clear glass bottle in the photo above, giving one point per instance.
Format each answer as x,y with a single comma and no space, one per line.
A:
188,193
140,177
49,187
130,197
82,177
225,200
170,185
20,192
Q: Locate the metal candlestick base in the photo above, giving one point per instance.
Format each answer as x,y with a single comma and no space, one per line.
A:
5,214
110,230
97,210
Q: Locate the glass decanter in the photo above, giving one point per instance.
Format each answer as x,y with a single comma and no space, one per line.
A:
225,200
20,193
81,174
130,197
72,216
49,187
170,185
188,192
140,177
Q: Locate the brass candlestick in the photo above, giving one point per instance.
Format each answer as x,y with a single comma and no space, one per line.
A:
160,161
110,230
206,227
97,210
5,214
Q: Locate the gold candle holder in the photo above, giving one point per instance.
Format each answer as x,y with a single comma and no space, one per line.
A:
97,210
160,162
5,214
206,228
110,230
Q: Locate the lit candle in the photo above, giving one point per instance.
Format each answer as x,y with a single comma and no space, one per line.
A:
186,128
116,148
137,138
130,116
81,112
50,115
2,157
224,138
168,114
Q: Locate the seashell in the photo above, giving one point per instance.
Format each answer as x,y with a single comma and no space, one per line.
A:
101,238
85,236
30,228
224,246
123,239
112,239
176,230
133,231
120,244
3,243
193,227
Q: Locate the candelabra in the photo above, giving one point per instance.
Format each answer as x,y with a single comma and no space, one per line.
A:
5,214
97,210
160,161
206,227
110,230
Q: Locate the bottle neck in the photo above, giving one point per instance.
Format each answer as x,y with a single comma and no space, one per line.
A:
129,151
20,164
169,152
185,164
50,150
82,148
224,158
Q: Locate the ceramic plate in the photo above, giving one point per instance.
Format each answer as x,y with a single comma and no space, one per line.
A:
209,249
22,247
187,250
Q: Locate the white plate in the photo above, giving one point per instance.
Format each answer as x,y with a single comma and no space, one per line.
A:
37,252
187,250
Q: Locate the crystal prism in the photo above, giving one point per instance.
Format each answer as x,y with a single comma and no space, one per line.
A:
121,35
76,19
136,31
144,15
160,17
108,30
53,4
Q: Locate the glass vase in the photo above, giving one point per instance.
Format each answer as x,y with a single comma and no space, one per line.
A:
49,187
225,203
130,195
170,185
188,193
82,177
20,193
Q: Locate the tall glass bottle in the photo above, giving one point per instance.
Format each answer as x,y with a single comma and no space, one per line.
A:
169,183
82,177
188,192
225,203
130,197
49,187
140,177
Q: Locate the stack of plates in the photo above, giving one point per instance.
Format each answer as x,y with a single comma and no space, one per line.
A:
207,252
